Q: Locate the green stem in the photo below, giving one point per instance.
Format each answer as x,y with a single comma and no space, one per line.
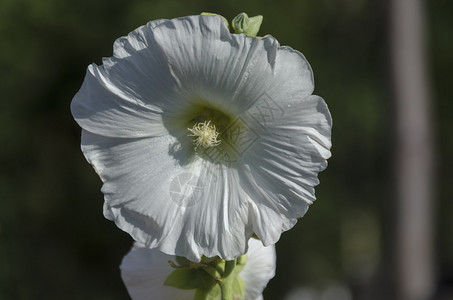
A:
226,290
211,271
226,283
218,268
229,267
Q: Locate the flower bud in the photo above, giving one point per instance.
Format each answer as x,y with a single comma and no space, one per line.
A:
249,26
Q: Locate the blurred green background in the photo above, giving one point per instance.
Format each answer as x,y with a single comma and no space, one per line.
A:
54,240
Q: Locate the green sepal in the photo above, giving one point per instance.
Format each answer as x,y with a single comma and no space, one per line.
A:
240,263
182,261
205,294
187,279
238,287
238,284
213,14
254,26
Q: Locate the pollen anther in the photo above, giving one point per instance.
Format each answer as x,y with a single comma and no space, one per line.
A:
205,135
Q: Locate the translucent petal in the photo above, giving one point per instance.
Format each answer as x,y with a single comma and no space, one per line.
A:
280,169
260,268
144,272
177,203
139,176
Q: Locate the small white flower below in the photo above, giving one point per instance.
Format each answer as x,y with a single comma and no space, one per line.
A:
144,272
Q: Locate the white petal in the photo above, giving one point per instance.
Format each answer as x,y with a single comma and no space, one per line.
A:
217,224
145,270
127,95
283,165
231,71
136,40
101,108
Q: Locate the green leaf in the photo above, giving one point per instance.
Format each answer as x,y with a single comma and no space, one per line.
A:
188,279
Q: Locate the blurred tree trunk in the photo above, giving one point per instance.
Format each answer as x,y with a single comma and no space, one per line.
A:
414,152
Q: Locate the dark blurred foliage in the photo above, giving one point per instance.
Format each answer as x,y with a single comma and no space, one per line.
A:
54,240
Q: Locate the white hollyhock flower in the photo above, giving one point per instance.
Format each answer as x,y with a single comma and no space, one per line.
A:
144,272
202,137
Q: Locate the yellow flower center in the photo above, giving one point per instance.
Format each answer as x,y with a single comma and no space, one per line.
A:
205,135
